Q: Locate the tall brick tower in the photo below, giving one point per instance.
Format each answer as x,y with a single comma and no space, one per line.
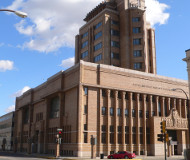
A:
117,33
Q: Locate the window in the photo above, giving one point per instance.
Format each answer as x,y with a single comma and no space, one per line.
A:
137,53
112,128
26,115
98,58
165,109
119,111
153,113
126,96
141,135
85,35
114,22
112,94
98,35
85,127
126,134
140,114
84,54
103,110
133,113
98,46
115,55
119,138
148,135
54,107
103,93
135,19
104,138
159,109
98,25
119,128
126,113
111,111
134,135
119,95
147,114
112,134
103,128
114,32
138,65
85,109
85,90
85,137
115,44
84,44
136,29
137,41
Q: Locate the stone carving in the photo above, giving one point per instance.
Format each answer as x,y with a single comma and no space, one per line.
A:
174,121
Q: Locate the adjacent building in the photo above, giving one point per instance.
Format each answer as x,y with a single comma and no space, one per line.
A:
112,93
6,131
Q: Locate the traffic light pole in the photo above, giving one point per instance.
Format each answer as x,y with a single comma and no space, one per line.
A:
165,146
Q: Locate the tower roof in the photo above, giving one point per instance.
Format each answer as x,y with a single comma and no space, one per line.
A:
111,4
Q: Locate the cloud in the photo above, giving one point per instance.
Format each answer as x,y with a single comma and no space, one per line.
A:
2,44
52,24
156,12
67,63
21,92
10,109
6,65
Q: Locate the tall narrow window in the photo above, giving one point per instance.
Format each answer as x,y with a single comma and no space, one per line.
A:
85,90
103,110
134,135
165,109
126,113
118,111
54,107
85,137
85,109
141,135
111,111
133,113
159,109
126,134
112,134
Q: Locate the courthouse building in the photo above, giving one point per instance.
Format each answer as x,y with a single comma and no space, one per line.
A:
111,93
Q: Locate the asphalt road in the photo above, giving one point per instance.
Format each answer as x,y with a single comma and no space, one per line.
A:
13,156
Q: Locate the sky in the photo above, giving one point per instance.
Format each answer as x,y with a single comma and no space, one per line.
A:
35,48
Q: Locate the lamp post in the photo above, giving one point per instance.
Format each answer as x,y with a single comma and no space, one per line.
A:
18,13
188,116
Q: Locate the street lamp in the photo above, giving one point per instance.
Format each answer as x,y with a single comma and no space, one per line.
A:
18,13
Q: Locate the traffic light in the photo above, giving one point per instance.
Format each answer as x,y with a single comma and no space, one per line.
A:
160,137
166,137
60,134
163,126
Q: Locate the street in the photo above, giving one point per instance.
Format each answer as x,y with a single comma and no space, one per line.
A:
13,156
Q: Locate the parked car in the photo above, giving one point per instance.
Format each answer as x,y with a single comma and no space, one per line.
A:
122,155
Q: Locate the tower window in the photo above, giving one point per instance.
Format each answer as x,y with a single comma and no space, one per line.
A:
114,32
98,46
137,53
114,22
137,41
85,35
84,44
138,65
98,58
84,54
115,44
136,29
136,19
98,35
115,55
98,25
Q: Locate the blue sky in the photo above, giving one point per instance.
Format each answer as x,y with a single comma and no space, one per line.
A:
33,49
